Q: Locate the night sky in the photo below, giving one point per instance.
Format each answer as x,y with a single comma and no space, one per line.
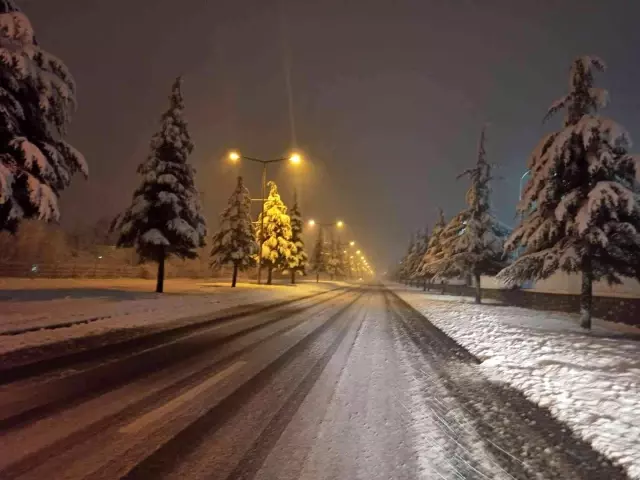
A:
388,95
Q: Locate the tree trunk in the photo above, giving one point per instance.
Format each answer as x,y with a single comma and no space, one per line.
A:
160,280
234,279
478,289
293,276
317,277
270,276
424,285
586,295
442,285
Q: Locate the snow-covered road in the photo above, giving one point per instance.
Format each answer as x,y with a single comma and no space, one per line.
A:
351,384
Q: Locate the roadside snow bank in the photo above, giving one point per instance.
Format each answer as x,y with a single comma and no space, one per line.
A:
590,381
110,305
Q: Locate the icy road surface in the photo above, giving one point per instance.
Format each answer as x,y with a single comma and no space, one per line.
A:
349,384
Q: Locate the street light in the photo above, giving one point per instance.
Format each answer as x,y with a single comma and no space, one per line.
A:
340,224
295,158
352,244
312,223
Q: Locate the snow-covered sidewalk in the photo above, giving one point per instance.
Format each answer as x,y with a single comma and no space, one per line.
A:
590,381
121,304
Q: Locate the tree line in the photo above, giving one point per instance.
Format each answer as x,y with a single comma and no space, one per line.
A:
579,212
164,220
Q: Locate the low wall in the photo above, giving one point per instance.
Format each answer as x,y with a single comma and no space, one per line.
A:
614,309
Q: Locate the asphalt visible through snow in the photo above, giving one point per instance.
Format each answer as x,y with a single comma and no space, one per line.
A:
351,384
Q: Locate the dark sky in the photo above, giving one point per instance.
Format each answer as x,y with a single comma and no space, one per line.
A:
389,95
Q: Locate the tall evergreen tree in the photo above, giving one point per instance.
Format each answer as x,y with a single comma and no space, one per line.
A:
475,238
235,242
300,257
440,267
278,251
406,264
164,218
580,209
433,252
37,98
319,257
335,265
421,250
343,259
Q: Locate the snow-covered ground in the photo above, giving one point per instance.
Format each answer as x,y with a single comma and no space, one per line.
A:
590,381
118,304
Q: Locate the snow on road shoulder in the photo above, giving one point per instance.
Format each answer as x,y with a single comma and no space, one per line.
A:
590,381
110,305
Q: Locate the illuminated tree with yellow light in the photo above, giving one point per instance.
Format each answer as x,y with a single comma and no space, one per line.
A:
278,250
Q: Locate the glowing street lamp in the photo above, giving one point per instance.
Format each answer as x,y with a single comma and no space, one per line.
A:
338,224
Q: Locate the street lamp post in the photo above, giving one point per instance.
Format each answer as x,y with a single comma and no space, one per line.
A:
294,158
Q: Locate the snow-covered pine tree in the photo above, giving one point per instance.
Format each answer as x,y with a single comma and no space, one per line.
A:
406,264
422,243
235,242
434,249
580,209
278,251
164,218
319,256
474,239
335,265
440,267
421,250
37,98
343,259
300,255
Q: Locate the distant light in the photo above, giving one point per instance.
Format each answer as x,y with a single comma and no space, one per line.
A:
352,244
358,252
100,257
234,156
340,224
295,158
344,251
312,223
